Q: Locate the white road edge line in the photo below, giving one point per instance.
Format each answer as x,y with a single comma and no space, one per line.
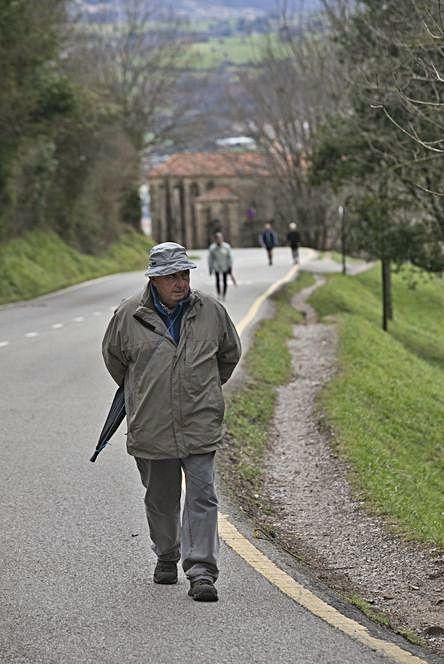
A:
4,343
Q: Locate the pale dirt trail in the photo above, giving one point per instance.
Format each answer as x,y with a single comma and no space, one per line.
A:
315,513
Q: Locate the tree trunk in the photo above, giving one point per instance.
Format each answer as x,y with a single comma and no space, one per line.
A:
389,290
343,247
341,212
387,312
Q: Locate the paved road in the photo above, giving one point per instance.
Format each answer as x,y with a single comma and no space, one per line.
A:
76,569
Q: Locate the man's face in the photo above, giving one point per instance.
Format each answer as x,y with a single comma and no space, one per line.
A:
173,287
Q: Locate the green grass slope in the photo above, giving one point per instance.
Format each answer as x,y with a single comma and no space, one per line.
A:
386,404
41,262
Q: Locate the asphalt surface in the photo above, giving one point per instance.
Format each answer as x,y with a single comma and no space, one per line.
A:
76,567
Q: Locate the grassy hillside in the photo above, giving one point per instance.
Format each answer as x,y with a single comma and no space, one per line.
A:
386,403
41,262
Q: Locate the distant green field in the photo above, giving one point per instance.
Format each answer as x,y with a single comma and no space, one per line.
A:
200,25
386,404
238,50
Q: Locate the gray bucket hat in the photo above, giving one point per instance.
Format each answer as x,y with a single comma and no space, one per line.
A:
168,258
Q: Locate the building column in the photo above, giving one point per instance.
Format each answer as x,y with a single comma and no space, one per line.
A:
201,225
234,223
160,227
169,221
182,222
193,191
187,215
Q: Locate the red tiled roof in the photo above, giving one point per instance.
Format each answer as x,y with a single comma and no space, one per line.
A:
217,194
212,164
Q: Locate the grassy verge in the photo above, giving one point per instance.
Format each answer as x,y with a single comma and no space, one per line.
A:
268,365
386,403
336,256
41,262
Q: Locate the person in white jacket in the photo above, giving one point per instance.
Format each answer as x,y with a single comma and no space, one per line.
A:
220,261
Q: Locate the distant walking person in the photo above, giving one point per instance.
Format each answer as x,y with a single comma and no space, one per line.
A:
268,240
220,261
294,240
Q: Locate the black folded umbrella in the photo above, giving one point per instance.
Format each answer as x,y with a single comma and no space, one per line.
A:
112,422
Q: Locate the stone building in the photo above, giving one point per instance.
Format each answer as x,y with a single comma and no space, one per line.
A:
193,195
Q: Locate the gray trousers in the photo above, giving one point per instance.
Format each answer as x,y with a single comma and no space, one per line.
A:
196,540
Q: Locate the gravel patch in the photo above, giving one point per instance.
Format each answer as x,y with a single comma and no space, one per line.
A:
315,514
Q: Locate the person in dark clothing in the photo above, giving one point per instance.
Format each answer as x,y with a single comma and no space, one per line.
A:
268,239
294,240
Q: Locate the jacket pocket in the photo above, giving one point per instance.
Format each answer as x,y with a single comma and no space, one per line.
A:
201,361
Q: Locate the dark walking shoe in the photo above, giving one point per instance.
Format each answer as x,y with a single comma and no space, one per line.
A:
203,590
165,572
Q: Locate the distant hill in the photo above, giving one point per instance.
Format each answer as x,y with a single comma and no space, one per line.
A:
220,34
264,5
208,8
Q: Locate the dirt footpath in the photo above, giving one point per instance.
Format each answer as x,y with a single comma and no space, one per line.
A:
306,504
315,515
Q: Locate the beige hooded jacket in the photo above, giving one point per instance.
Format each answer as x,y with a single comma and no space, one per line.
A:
173,395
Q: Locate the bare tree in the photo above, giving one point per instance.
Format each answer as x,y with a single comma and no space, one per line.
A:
392,138
135,59
408,85
291,92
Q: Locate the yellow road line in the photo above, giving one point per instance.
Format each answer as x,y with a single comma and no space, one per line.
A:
256,559
252,311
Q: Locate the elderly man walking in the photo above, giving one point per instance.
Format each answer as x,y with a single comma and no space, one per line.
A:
173,348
